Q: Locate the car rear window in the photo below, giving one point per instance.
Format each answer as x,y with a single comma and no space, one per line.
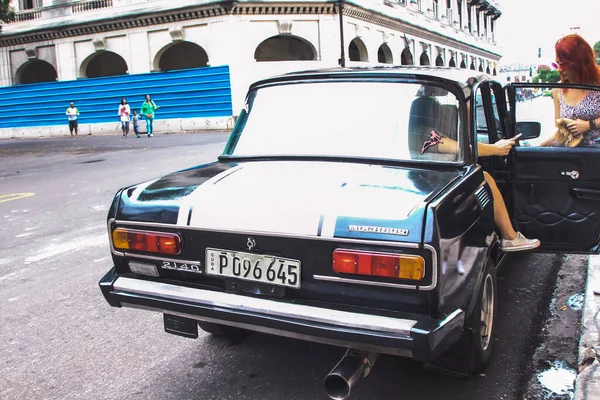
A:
382,120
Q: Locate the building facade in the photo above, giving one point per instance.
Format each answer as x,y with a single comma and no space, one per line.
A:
62,40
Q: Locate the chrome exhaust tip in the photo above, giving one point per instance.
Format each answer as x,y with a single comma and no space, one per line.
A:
353,366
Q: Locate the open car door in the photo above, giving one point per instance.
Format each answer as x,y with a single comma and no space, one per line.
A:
555,190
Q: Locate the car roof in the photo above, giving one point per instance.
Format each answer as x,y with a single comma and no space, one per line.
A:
451,74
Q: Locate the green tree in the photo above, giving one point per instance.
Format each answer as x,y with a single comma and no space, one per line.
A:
547,75
597,51
7,13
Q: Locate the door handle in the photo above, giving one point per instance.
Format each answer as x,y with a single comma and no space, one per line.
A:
573,174
586,194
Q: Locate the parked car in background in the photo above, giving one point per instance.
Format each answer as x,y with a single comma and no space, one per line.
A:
331,217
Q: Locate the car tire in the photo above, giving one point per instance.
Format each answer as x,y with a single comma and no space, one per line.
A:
229,332
482,320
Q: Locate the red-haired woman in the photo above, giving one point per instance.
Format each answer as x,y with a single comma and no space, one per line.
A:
576,63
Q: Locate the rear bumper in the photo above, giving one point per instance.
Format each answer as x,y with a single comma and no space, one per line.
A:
419,337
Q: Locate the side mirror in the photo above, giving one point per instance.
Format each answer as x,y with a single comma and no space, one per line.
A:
528,129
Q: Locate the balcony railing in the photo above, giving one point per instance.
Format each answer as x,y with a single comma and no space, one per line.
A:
24,16
91,5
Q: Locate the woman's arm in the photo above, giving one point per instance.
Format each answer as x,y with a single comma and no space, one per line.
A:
556,97
500,148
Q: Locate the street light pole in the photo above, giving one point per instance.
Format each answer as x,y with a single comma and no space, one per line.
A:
342,60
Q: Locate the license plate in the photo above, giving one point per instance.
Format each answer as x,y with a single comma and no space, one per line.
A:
253,267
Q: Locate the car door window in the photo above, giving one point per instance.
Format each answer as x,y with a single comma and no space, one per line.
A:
489,126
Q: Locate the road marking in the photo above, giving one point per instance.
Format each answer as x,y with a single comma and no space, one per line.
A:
77,244
14,196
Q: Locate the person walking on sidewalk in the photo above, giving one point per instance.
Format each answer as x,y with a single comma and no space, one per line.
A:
148,109
72,114
136,123
123,114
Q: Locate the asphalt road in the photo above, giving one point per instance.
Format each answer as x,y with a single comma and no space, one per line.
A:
59,339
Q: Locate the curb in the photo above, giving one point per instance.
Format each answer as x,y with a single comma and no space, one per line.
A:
118,134
587,384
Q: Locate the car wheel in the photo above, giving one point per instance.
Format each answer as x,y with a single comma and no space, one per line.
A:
229,332
483,320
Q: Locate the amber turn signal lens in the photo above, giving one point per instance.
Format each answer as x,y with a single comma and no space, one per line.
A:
401,266
150,242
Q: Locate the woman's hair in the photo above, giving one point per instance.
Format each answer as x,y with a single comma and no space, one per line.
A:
579,60
123,101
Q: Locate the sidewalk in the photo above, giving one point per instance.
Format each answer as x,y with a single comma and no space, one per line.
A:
587,384
161,126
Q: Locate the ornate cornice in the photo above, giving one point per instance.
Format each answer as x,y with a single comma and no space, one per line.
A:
111,24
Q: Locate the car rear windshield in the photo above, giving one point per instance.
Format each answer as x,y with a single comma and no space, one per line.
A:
381,120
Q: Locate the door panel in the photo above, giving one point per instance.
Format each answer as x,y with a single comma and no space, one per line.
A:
556,196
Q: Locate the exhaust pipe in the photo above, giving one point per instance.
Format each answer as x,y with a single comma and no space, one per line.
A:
354,366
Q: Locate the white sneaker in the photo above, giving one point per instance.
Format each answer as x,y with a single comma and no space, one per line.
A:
519,243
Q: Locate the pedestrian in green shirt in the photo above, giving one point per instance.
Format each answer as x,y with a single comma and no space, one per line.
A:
148,109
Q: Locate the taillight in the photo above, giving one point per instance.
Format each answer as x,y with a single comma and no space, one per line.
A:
402,266
151,242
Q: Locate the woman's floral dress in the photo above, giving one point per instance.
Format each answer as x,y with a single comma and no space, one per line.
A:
588,108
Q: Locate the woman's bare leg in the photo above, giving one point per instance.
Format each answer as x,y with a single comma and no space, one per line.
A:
501,217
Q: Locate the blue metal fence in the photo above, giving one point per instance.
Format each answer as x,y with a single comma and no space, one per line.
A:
197,92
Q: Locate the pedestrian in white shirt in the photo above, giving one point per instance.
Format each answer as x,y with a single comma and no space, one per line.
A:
123,113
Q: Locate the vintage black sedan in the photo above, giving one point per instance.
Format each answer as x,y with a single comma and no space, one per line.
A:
332,217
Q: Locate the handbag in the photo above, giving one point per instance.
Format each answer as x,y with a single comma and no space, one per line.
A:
563,136
149,116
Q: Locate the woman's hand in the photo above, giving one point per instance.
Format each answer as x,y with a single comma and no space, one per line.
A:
503,147
578,127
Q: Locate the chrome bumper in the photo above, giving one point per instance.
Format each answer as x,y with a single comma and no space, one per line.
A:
408,337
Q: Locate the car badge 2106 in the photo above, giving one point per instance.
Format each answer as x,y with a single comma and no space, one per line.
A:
251,243
378,229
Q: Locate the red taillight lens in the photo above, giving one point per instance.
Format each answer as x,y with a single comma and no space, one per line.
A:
151,242
390,265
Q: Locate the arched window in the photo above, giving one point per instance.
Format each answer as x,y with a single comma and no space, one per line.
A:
481,68
495,72
424,59
463,64
105,63
487,70
406,58
472,66
182,55
452,63
439,61
35,71
384,54
357,51
284,48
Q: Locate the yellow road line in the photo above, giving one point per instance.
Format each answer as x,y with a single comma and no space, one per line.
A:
14,196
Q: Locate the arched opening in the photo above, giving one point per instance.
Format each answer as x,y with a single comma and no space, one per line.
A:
481,68
284,48
424,59
439,61
463,64
472,66
494,72
105,63
35,71
182,55
406,58
357,51
487,70
452,63
384,54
